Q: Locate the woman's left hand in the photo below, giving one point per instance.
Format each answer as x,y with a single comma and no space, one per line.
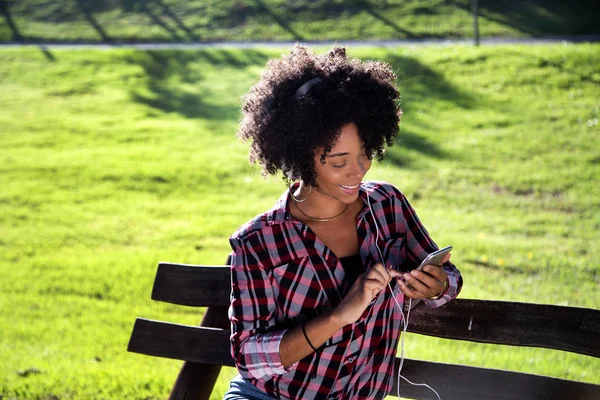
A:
426,284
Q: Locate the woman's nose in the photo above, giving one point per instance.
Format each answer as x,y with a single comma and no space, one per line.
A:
358,169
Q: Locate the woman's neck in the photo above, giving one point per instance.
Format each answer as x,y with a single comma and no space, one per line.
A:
319,207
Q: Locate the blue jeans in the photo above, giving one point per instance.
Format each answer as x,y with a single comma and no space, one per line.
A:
242,389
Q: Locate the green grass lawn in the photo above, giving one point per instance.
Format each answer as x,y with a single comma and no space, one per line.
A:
111,161
223,20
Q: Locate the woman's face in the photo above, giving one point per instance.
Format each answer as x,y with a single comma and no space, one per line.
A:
345,166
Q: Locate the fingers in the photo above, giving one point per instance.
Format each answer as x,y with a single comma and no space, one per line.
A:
416,284
395,274
380,273
437,272
408,291
378,277
425,284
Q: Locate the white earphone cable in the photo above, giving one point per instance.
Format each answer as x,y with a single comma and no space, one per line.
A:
404,319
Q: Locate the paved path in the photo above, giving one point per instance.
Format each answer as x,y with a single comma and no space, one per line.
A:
347,43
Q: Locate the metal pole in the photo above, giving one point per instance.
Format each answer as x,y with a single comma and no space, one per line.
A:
475,9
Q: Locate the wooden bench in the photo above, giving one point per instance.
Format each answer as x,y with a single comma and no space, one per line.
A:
206,348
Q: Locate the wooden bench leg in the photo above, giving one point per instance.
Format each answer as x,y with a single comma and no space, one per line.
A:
196,381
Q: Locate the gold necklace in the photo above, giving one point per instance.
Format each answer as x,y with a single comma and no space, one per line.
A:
322,219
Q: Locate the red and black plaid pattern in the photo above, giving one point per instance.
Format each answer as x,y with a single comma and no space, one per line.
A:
282,275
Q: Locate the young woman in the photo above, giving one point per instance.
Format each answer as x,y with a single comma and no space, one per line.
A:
317,281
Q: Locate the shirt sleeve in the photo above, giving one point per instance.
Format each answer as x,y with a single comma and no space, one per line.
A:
418,245
255,339
454,285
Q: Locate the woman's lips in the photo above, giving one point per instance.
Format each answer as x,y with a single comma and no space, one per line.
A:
350,189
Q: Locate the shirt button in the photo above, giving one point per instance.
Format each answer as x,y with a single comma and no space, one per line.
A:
333,261
351,360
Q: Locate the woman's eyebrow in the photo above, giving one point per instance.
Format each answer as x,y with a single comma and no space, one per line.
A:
337,154
342,153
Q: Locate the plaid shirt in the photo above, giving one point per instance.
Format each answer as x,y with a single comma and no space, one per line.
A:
282,275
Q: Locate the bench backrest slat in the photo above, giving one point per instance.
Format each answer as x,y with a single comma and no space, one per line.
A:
192,285
211,346
181,342
520,324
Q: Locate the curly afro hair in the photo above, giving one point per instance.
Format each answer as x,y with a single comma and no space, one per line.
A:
303,100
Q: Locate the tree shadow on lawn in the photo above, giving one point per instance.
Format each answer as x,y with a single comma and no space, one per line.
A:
537,17
540,17
177,20
175,81
84,6
420,85
159,13
405,33
160,18
280,21
16,35
322,10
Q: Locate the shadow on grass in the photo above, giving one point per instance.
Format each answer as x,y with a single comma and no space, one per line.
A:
49,56
183,21
540,17
406,140
16,35
162,15
177,20
157,21
84,6
378,15
280,21
176,82
326,9
419,84
512,269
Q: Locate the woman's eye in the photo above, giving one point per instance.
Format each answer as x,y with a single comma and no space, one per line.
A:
339,166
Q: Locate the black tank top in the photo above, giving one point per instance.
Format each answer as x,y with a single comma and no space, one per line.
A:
353,267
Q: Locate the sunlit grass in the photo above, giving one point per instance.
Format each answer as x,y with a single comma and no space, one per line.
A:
111,161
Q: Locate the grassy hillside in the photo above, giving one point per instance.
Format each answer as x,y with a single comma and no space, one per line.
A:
224,20
113,160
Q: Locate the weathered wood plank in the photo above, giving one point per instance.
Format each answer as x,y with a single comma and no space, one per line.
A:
460,382
192,285
521,324
453,382
181,342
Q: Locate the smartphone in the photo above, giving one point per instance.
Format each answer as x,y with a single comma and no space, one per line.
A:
435,258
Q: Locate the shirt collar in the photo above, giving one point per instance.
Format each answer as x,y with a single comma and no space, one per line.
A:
281,210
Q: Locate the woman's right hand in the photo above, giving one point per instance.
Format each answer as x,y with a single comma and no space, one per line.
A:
362,293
